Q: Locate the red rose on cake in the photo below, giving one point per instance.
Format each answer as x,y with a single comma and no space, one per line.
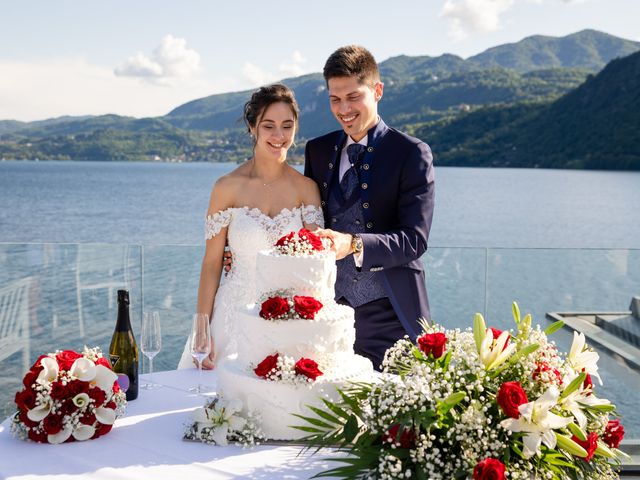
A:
300,243
274,307
306,307
267,366
308,368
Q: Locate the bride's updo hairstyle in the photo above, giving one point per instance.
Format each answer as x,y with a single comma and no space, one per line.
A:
263,98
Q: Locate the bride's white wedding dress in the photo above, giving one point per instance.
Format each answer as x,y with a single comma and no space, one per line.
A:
249,231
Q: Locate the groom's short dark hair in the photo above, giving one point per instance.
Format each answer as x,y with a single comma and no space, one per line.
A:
352,61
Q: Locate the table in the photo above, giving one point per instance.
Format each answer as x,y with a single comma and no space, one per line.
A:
147,443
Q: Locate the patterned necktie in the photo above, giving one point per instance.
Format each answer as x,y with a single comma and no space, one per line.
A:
350,180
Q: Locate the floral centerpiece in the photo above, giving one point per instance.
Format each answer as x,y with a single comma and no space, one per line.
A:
299,244
483,404
220,422
68,396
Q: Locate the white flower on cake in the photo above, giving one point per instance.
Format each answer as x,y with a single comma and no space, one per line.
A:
282,368
221,421
299,244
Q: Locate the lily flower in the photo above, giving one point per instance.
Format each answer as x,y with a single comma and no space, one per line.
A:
494,352
104,378
221,418
538,422
83,369
577,400
581,358
49,370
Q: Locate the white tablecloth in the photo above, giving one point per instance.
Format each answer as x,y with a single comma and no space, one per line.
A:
147,443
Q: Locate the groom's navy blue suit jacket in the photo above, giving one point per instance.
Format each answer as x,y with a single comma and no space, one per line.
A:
397,206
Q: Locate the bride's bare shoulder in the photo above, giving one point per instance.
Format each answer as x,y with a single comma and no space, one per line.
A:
227,188
306,187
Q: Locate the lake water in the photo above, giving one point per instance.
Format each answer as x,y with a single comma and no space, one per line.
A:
165,203
498,235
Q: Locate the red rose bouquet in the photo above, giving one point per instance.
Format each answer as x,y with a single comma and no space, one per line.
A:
68,396
480,404
299,244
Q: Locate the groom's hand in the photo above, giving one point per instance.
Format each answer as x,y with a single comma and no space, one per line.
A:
340,242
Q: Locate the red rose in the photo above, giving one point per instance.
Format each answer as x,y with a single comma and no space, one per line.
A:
432,344
306,307
308,368
102,429
58,390
67,407
52,424
37,365
37,436
314,240
544,368
22,416
97,395
274,307
489,469
25,400
104,362
88,419
76,387
588,384
282,241
66,358
510,397
116,387
111,405
613,434
266,366
30,378
407,437
590,444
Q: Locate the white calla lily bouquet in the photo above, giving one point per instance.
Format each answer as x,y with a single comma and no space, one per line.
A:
480,403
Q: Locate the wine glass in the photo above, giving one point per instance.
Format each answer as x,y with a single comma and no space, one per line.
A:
200,344
151,342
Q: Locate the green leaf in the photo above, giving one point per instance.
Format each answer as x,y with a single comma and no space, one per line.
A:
315,421
351,428
573,386
307,429
600,408
323,414
555,326
335,409
479,330
516,312
523,352
450,402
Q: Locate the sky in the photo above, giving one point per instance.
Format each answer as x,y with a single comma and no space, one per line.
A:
145,57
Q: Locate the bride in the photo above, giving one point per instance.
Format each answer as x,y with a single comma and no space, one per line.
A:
250,208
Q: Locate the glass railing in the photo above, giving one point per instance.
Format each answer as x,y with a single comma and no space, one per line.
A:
59,296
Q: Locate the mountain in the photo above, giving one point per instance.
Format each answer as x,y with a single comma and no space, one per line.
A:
458,104
587,49
595,126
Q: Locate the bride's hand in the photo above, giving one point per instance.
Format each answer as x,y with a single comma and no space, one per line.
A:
207,363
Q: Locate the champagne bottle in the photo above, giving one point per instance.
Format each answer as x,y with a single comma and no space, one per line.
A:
123,351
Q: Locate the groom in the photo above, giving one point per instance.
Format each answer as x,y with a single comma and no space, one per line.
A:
377,189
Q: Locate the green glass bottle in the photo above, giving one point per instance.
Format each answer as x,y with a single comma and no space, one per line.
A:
123,351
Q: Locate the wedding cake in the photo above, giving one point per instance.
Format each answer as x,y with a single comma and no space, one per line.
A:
295,344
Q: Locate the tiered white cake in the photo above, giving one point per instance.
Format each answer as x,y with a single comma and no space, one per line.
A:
326,339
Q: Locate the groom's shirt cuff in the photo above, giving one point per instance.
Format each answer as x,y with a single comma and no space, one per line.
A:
358,258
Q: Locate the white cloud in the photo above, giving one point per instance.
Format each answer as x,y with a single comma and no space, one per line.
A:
293,67
470,16
170,61
290,67
256,75
72,86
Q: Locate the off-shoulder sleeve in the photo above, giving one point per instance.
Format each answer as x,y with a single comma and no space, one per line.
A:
216,222
313,214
